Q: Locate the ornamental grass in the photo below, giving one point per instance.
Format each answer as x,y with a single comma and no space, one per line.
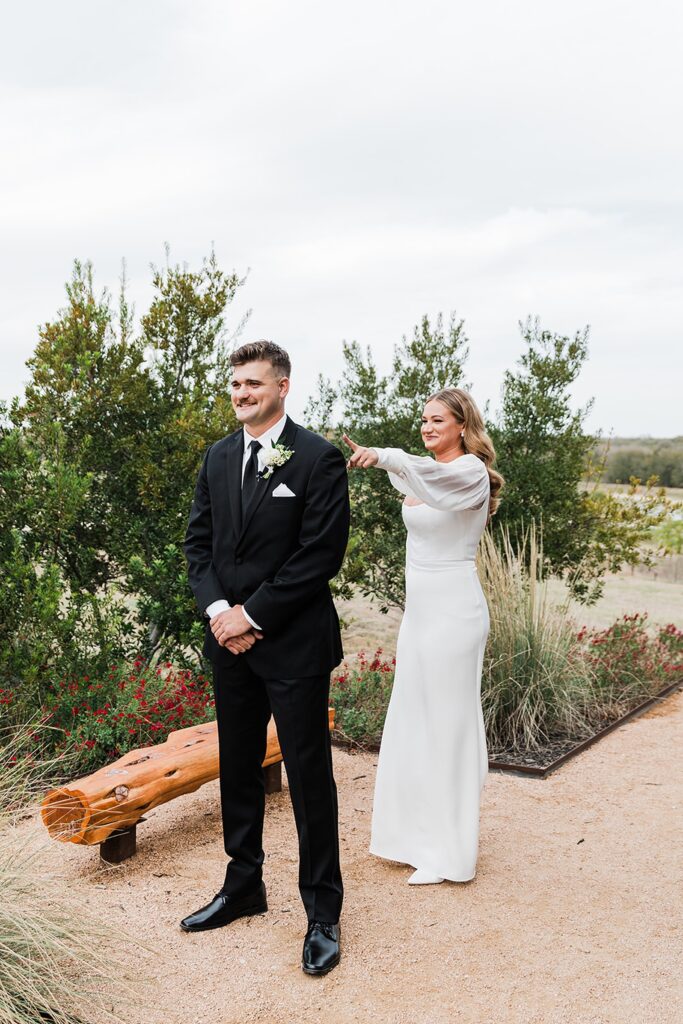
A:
359,694
536,686
56,960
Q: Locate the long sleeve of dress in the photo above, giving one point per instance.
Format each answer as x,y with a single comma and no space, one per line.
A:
446,486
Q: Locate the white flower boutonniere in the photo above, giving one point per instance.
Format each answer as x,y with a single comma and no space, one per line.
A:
273,457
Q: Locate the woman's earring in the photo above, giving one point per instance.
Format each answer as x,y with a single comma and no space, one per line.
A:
462,433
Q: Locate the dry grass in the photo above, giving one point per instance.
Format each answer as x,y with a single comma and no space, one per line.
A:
56,959
535,685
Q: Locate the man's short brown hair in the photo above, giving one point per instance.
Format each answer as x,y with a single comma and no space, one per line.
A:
268,350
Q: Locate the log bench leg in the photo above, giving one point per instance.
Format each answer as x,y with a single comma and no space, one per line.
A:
272,776
120,845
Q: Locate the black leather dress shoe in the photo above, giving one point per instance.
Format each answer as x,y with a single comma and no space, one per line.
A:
321,948
223,909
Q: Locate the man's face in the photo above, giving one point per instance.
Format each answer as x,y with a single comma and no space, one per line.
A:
258,396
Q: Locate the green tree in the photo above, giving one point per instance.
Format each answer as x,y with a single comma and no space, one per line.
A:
48,628
542,446
385,410
544,453
113,427
89,400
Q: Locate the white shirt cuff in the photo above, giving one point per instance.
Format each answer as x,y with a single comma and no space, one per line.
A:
249,619
217,606
223,606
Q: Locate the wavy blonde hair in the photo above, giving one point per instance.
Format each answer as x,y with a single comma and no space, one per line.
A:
475,439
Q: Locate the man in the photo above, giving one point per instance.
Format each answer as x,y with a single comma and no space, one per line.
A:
268,530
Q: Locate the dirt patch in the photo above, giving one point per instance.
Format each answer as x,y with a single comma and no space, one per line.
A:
574,914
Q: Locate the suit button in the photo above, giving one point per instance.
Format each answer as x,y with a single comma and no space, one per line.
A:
238,561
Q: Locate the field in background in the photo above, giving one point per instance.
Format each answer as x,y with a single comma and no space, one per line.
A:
655,591
642,457
672,493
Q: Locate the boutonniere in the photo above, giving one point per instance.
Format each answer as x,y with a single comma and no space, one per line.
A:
272,458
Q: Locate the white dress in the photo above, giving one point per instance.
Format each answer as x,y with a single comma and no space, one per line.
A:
433,759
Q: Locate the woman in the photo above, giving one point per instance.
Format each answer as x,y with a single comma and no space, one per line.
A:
433,759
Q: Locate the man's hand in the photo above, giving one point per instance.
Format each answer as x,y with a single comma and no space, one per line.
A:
230,624
362,458
240,644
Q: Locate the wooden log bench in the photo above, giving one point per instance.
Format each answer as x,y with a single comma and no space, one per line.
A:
105,808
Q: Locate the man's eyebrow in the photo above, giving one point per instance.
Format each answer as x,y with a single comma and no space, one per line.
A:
252,380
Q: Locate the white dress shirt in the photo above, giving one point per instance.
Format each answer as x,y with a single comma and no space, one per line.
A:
267,439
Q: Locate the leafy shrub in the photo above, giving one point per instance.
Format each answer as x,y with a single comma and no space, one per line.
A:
131,706
47,629
360,695
669,536
629,665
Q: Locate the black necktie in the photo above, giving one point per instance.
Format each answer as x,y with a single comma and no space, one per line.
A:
250,477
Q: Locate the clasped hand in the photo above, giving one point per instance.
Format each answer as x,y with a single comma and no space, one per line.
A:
233,630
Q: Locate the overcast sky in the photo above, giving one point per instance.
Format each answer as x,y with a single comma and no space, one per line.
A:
368,162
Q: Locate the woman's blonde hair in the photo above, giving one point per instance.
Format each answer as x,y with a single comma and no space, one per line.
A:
475,439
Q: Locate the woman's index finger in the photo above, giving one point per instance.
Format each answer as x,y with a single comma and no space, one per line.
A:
352,444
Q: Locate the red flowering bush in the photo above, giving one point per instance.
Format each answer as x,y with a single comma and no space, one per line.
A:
360,694
132,706
629,663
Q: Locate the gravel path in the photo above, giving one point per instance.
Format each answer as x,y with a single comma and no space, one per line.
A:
574,916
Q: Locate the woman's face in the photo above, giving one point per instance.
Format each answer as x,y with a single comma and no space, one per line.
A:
440,428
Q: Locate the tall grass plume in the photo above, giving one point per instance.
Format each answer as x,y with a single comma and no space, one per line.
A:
57,962
535,685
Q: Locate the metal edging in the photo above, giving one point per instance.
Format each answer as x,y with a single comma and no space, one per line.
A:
536,771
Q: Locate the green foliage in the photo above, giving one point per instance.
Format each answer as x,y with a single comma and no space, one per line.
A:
89,401
542,447
45,626
669,536
617,530
544,452
385,410
184,337
360,694
165,601
31,628
99,462
629,664
95,719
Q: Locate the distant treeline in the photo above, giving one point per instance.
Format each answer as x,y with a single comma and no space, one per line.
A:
643,457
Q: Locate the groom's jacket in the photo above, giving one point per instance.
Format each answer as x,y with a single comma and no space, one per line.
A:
279,561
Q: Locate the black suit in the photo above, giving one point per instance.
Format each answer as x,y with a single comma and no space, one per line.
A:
277,563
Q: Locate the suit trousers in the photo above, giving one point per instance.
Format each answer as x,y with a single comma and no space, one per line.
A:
244,702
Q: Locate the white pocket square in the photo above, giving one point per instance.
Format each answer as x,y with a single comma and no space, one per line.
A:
283,491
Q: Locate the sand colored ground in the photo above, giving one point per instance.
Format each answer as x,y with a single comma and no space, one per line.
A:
574,916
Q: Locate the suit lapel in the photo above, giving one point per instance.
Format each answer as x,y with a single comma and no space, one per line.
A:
286,438
234,457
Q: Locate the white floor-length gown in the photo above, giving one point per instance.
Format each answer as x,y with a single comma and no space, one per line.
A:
433,759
